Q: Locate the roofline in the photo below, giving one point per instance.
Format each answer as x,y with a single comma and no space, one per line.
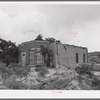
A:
76,46
95,52
49,42
34,41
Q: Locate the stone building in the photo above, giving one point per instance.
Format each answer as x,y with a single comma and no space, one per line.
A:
94,57
62,54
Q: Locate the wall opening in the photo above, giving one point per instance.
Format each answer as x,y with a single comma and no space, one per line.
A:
77,58
23,58
99,56
84,57
32,56
35,57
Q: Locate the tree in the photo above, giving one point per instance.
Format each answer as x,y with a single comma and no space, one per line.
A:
47,55
39,37
58,41
8,52
50,39
43,51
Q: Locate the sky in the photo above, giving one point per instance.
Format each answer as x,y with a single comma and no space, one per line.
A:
71,24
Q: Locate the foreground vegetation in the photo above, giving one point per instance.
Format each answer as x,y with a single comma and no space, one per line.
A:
47,77
8,52
63,78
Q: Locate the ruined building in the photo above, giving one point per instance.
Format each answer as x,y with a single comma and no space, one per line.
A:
52,54
94,57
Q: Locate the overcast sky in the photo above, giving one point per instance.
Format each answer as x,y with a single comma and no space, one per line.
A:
72,24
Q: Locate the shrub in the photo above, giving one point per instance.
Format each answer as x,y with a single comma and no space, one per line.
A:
89,77
9,52
16,85
96,84
14,69
5,71
19,69
11,83
84,69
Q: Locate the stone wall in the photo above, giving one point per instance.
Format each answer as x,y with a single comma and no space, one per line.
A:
67,55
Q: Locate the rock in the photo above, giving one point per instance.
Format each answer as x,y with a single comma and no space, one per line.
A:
30,81
85,86
46,80
57,84
12,83
11,79
33,72
49,87
3,87
1,79
19,79
51,72
56,77
35,87
73,85
61,69
32,69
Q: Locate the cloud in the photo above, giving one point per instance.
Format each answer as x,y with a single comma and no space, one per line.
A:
22,27
72,24
88,35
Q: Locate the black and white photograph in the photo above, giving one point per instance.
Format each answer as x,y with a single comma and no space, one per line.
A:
49,46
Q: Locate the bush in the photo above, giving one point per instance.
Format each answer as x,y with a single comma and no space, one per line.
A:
9,52
19,69
96,84
14,69
5,71
84,69
16,85
85,73
11,83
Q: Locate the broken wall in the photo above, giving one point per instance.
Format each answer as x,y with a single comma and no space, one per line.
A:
66,55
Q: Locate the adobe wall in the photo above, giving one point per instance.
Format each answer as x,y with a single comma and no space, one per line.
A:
53,47
62,54
25,47
67,55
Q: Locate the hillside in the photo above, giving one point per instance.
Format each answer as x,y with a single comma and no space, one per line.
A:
42,78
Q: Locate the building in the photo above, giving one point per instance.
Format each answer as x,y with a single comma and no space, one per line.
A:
94,57
62,54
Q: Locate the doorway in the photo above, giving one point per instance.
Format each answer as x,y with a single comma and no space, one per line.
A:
23,58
